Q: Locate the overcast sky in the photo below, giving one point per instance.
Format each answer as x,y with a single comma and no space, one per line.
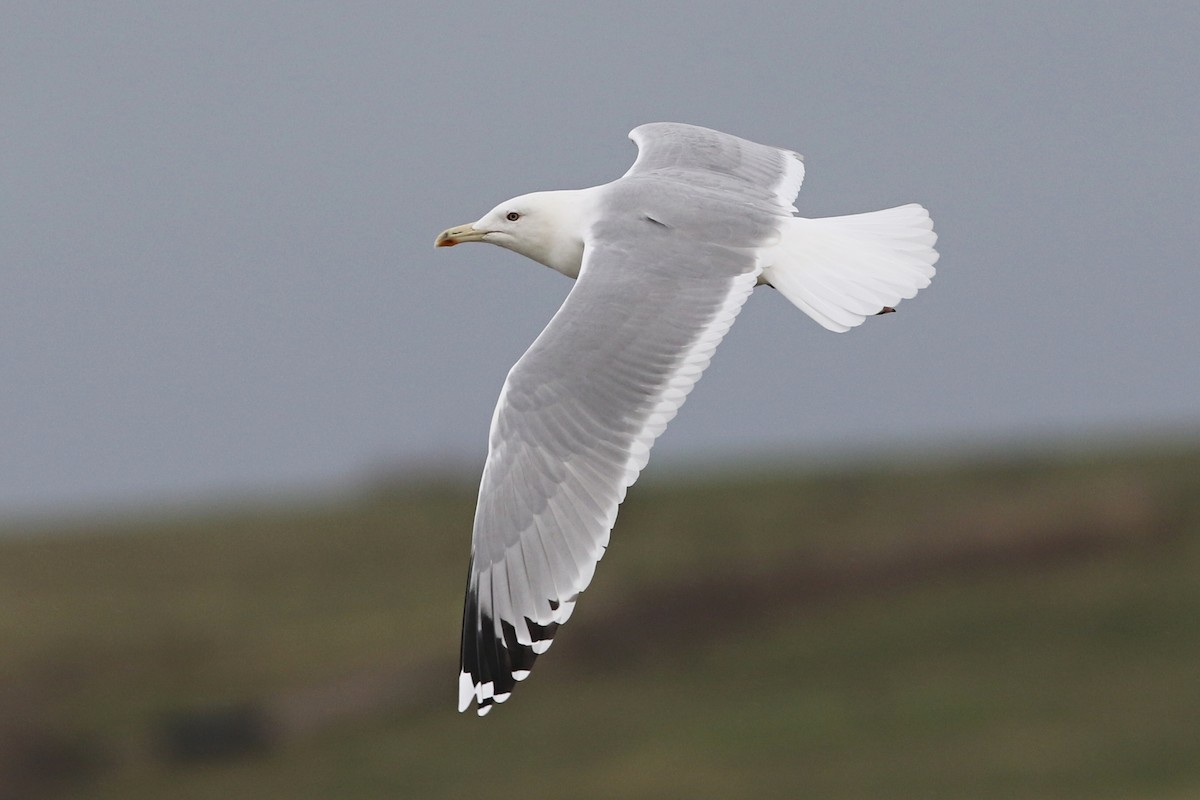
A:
216,226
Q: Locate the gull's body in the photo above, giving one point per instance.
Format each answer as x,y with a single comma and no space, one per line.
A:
665,256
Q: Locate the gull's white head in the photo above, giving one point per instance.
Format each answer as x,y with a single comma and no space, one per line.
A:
548,227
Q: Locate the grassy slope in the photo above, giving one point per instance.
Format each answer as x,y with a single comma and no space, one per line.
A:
1059,675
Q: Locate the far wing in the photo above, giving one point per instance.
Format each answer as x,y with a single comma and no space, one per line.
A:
768,172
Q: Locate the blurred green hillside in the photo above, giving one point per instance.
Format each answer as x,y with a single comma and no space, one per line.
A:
1006,628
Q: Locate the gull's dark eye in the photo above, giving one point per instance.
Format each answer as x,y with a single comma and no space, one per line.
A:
512,216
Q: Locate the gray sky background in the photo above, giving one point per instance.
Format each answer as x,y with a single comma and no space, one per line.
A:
216,226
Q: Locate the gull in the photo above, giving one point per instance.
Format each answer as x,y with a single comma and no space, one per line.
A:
664,257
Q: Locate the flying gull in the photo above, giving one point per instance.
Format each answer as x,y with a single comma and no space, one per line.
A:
664,258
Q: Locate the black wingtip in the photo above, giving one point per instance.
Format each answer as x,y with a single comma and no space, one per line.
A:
495,663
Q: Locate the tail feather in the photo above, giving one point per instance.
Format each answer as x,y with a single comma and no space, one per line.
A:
841,270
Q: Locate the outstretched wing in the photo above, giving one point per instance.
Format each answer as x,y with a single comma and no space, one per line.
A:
671,257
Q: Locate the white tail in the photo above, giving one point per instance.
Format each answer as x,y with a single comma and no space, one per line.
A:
841,270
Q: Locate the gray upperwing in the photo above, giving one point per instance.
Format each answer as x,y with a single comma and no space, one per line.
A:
765,172
576,419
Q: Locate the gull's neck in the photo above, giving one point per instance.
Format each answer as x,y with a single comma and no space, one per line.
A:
562,224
